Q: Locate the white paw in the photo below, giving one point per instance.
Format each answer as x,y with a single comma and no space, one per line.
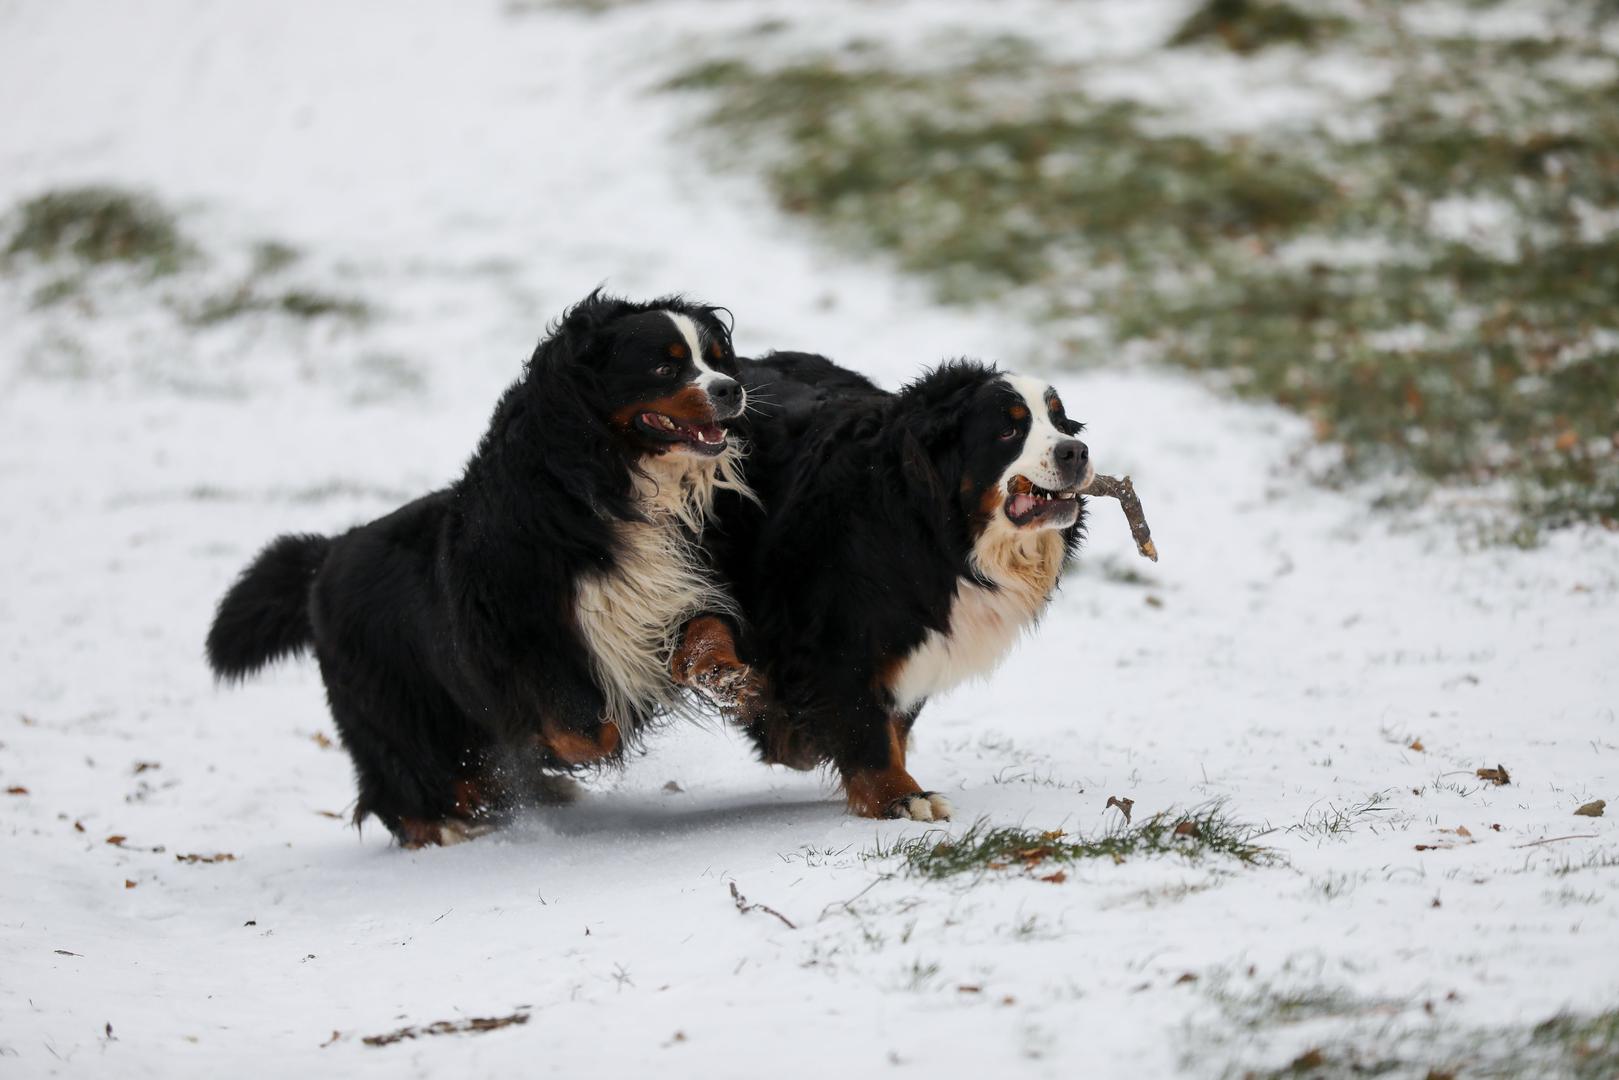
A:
927,806
455,831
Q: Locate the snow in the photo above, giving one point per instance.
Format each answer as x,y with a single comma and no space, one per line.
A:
468,172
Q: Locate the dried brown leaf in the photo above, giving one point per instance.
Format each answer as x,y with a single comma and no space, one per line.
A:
1187,828
1592,809
1497,775
1123,804
1416,744
1057,878
117,839
16,789
128,884
1310,1059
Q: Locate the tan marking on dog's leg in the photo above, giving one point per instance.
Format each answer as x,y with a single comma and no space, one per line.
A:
706,661
579,747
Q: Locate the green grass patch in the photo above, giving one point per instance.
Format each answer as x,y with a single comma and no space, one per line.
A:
1320,266
1566,1047
984,848
293,303
98,224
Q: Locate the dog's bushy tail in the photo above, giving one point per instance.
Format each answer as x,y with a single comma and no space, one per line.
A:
265,615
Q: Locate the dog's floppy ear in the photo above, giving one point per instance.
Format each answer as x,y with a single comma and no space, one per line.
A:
918,467
575,336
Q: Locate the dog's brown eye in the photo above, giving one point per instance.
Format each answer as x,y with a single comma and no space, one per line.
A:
663,371
1009,433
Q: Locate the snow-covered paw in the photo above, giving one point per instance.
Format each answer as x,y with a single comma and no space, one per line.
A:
414,835
725,686
923,806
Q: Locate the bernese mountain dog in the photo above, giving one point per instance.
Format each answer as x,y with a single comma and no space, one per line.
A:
900,544
533,616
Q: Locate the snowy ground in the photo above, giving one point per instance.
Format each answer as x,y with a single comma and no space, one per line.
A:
468,171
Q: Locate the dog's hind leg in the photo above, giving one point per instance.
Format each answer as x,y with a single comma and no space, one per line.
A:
421,767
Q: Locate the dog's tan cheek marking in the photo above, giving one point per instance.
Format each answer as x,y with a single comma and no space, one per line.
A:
689,404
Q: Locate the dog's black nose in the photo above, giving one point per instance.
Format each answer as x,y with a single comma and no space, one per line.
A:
726,394
1071,456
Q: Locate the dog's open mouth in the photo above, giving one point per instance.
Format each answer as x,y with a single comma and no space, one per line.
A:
1028,503
706,438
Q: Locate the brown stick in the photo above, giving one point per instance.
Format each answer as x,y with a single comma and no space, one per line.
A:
744,907
1113,487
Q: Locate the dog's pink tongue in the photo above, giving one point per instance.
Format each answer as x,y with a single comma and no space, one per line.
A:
1022,504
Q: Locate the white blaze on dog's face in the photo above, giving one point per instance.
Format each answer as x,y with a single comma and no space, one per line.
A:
1041,485
713,383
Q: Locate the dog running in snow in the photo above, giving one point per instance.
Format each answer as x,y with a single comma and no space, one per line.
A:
899,545
533,616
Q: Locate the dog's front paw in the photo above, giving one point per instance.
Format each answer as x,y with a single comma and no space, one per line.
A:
922,806
727,687
414,834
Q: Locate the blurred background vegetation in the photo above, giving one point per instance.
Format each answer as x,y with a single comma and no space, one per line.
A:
1315,262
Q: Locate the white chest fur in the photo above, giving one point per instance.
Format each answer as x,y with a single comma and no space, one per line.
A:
631,617
984,623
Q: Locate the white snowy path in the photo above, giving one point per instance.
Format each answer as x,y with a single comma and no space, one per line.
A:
469,173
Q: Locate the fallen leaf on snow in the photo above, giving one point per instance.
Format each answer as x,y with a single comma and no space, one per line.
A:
1497,775
1592,809
117,839
447,1027
17,790
1186,978
1186,828
1416,744
328,813
1124,806
1310,1059
143,766
322,740
1057,878
969,988
221,856
673,788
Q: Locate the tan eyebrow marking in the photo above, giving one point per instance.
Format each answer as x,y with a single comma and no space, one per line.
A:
1018,412
716,350
678,351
